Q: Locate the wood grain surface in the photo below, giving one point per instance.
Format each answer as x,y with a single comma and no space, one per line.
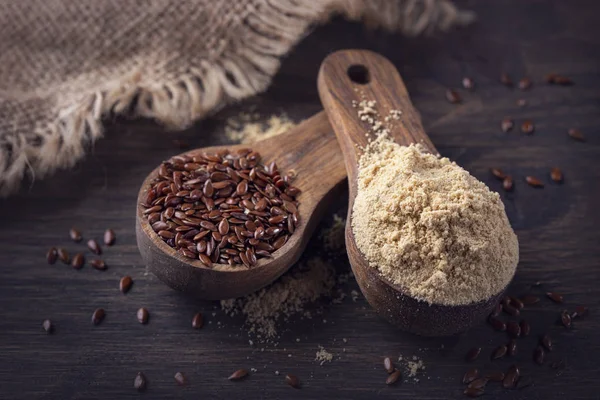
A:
557,228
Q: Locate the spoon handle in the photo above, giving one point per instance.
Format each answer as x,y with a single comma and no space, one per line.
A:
348,77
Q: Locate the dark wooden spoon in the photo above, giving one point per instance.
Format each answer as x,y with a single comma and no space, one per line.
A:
310,149
345,78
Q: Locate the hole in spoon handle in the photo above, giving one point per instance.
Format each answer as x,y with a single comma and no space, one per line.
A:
349,77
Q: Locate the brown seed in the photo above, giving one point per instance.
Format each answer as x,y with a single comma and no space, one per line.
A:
48,326
237,375
474,392
516,303
565,319
530,299
388,365
208,189
555,297
558,79
393,377
512,347
125,284
513,329
506,125
496,376
180,379
197,321
510,310
470,375
539,355
525,84
521,102
468,83
576,134
499,352
52,255
556,175
280,242
546,342
507,183
143,315
139,383
498,173
473,354
497,323
452,96
109,237
293,381
63,255
204,259
579,312
98,264
478,383
75,235
506,80
78,261
94,246
534,182
527,127
525,328
511,377
98,316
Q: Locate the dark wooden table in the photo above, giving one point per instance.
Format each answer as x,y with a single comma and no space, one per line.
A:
557,228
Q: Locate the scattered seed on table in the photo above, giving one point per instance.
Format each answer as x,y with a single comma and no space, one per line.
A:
518,304
388,365
521,102
180,379
579,312
125,284
497,310
98,316
558,79
98,264
530,299
546,342
506,125
139,383
555,297
143,315
556,175
538,355
94,246
511,377
478,383
576,134
534,182
513,329
473,392
75,235
78,261
109,237
525,84
510,310
393,377
498,173
473,354
63,255
470,375
239,374
48,326
293,381
565,319
468,83
495,376
506,80
507,183
52,255
497,323
512,347
525,328
452,96
197,321
527,127
499,352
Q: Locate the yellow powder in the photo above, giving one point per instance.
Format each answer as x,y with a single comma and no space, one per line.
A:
430,227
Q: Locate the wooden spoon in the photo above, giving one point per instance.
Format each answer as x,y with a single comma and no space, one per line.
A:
312,151
345,78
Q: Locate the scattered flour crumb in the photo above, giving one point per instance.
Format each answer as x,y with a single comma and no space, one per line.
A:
323,356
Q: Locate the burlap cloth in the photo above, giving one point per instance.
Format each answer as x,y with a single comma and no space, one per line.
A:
65,65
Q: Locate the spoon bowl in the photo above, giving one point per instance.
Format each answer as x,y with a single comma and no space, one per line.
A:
345,79
312,151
